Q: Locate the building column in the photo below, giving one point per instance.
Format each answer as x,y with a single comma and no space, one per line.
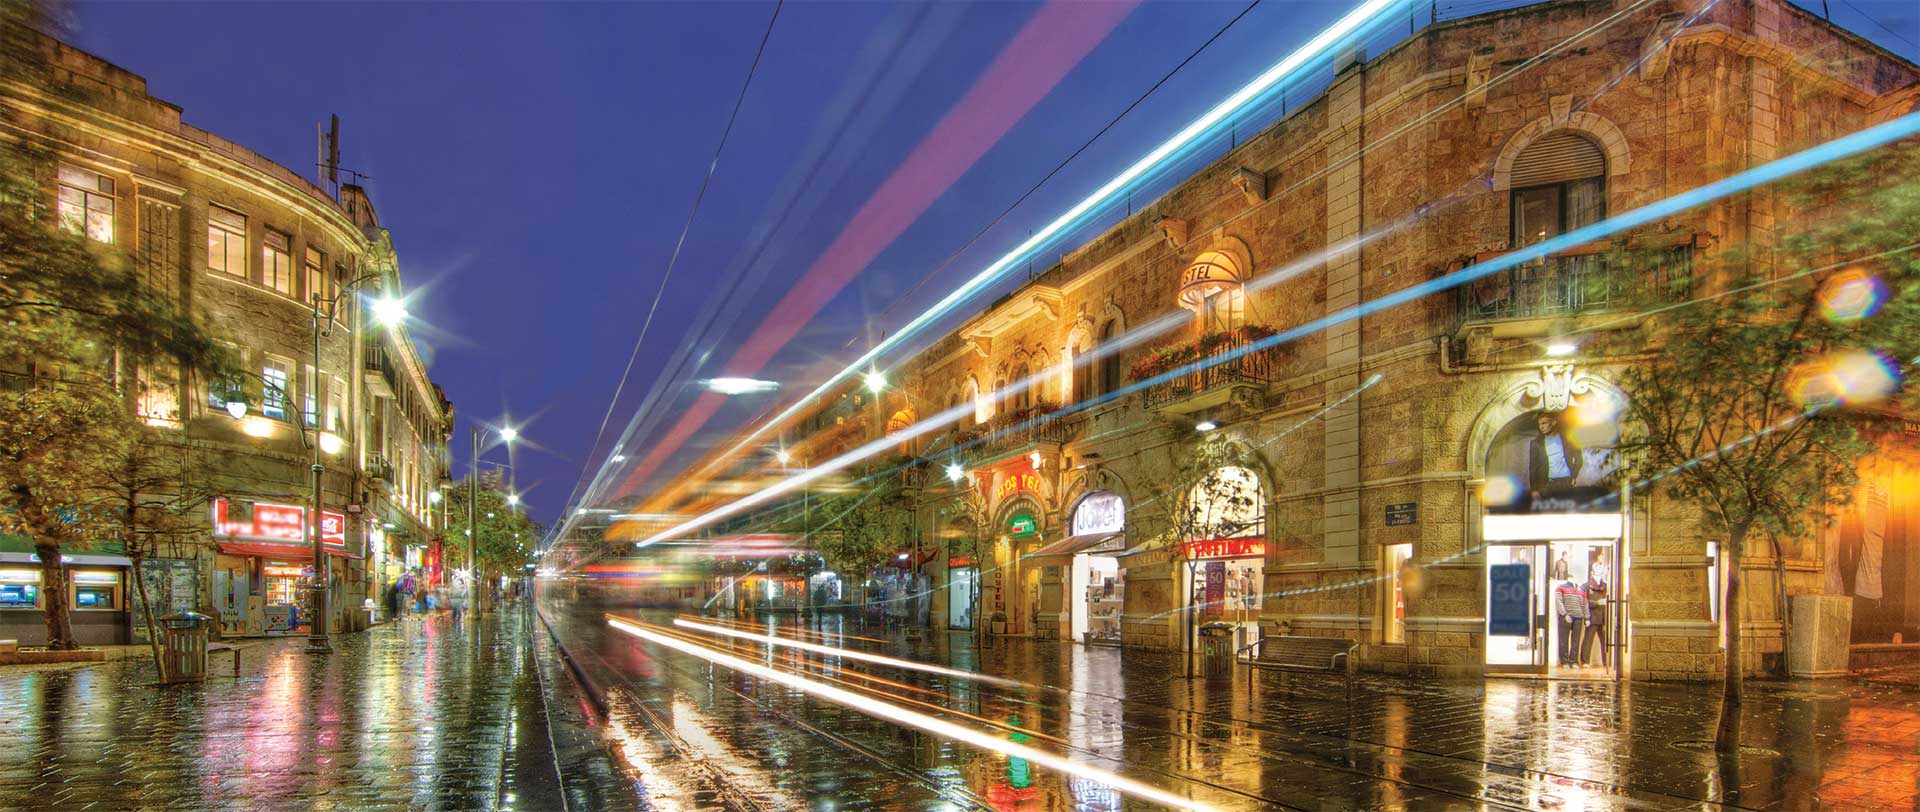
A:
1340,507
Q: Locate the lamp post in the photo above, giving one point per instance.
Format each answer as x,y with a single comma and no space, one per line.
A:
508,434
326,312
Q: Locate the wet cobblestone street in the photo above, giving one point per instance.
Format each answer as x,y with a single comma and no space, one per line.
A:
423,715
413,715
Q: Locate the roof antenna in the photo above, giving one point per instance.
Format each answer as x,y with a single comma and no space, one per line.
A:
328,156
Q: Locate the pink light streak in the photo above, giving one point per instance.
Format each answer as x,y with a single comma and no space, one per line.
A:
1038,57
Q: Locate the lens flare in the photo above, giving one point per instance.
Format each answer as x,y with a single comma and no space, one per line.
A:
1501,489
1847,377
1851,295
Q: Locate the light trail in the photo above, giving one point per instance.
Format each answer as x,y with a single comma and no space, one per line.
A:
1172,321
903,716
848,653
1354,24
1847,146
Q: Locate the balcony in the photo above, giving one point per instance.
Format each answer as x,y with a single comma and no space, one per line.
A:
1007,432
1239,379
379,468
1576,283
381,378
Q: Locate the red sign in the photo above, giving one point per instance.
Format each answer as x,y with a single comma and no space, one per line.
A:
280,523
1225,548
1014,483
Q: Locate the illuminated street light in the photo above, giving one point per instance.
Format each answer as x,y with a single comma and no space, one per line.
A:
509,433
1562,349
955,473
389,311
434,497
237,408
739,386
783,457
513,500
1205,426
875,381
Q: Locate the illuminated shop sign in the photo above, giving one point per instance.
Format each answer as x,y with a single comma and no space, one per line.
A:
1016,483
284,571
1100,512
271,522
1225,548
1022,524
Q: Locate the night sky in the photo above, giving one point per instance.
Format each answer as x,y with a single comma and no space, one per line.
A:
536,164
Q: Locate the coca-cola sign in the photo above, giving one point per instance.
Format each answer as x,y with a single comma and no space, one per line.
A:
266,521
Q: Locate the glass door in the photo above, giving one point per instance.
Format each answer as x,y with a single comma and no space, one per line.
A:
1517,611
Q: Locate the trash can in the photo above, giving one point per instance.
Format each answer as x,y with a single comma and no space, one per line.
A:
1216,649
183,648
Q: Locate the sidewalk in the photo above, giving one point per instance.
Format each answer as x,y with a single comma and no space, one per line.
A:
420,714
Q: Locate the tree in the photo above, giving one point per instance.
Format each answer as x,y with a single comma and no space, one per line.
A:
861,532
505,533
154,498
79,321
1747,411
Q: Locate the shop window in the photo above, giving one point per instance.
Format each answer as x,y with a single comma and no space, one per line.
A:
227,241
1559,184
1226,503
96,590
1397,563
19,589
86,203
158,399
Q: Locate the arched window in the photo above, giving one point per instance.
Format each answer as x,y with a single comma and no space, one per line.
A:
1022,388
1559,184
1110,361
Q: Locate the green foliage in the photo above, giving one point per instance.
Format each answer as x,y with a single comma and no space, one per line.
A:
862,531
1733,404
506,535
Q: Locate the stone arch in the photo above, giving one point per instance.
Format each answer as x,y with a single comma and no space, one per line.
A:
1090,481
1218,451
1523,397
1603,132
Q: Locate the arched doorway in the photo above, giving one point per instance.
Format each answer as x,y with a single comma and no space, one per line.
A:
1223,524
1553,526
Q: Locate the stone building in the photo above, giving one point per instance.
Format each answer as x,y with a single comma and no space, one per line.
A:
247,247
1381,478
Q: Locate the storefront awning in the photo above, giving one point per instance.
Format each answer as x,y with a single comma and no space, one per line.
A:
1062,552
282,552
71,559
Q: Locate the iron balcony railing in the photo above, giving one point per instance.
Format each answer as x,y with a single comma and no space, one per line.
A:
1580,284
1221,369
379,468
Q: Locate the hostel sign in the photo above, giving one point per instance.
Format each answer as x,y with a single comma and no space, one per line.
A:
1013,483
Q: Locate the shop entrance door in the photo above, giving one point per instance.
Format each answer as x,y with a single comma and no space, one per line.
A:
1551,609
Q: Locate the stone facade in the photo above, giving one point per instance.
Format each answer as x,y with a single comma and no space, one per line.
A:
1402,170
181,195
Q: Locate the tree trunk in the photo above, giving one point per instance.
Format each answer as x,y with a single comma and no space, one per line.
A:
1727,737
1784,609
54,593
146,606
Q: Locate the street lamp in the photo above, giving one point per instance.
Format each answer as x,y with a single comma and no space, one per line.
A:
508,435
387,311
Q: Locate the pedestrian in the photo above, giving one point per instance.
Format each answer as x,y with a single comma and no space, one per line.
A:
457,598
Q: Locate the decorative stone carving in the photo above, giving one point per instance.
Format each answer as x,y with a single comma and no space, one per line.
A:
1556,387
1252,185
1173,230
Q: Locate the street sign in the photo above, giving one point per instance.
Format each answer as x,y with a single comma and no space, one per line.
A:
1403,513
1508,597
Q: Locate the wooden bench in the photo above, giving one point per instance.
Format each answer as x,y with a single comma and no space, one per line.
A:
1317,655
217,648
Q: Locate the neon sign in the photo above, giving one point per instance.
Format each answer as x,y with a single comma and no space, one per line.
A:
1016,483
1022,524
277,523
1225,548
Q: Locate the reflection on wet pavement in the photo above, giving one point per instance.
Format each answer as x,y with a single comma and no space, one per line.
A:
1270,742
420,714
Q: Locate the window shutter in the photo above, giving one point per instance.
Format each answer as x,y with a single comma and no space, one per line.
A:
1556,157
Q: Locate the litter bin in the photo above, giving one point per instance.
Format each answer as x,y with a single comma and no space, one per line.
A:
183,648
1216,649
